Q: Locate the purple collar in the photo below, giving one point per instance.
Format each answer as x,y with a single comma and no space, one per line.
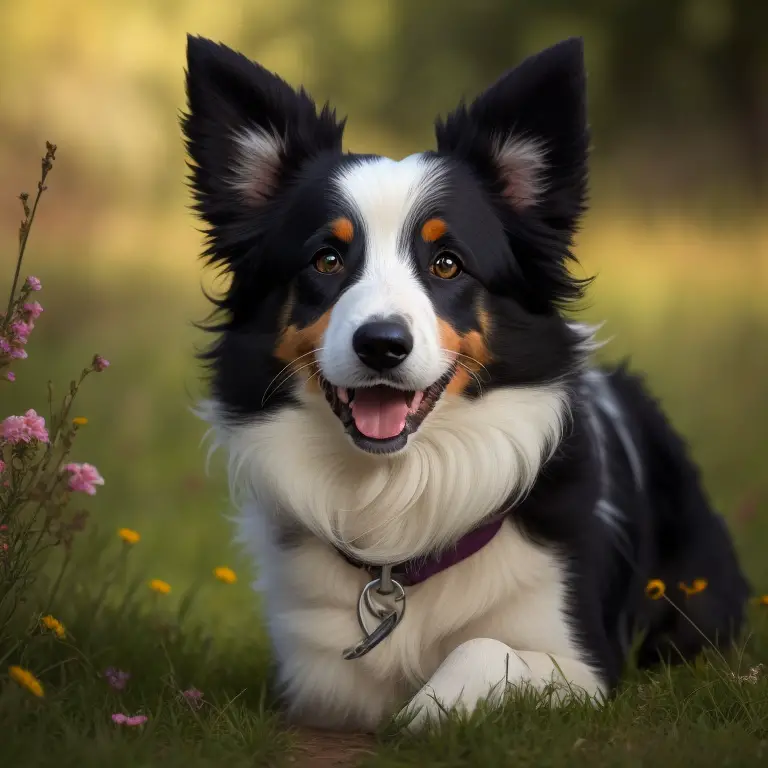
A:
415,571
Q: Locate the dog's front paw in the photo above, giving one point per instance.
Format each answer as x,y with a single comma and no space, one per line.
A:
477,670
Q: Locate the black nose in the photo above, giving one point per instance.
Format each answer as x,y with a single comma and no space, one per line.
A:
382,344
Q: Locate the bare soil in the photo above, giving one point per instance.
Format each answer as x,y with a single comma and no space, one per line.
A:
328,749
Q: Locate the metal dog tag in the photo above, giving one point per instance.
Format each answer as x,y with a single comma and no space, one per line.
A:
388,618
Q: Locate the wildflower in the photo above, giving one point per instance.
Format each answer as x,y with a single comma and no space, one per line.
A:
99,363
122,719
55,626
755,673
5,346
36,426
655,589
158,585
11,376
83,477
116,678
33,309
698,585
193,697
27,680
227,575
19,354
2,469
129,536
22,331
24,429
762,600
34,283
79,421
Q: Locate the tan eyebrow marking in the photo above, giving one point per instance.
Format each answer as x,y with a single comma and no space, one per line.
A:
342,229
433,229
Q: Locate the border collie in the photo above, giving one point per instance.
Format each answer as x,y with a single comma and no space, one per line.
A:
411,419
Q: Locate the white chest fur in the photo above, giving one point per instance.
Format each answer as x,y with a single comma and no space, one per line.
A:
511,591
468,459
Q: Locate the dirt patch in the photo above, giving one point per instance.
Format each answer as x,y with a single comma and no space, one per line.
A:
328,749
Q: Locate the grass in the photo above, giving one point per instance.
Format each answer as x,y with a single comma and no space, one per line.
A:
697,331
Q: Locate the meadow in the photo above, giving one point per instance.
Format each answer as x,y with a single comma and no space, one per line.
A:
685,300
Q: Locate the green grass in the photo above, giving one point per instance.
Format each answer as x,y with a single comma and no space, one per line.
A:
700,345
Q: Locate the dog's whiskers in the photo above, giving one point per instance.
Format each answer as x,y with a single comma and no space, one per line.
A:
472,374
468,357
301,368
267,393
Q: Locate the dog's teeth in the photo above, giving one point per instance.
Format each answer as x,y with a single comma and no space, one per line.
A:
343,394
416,400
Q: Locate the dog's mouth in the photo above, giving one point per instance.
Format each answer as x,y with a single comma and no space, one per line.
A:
380,418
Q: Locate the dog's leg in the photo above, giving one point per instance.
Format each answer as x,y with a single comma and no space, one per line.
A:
483,669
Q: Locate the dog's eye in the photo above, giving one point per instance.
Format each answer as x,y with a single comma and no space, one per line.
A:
445,265
328,262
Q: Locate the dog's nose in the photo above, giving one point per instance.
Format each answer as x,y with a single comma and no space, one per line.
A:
382,344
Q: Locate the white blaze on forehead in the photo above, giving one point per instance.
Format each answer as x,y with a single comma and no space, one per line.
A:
388,199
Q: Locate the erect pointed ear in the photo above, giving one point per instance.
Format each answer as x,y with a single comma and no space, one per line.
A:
527,135
246,130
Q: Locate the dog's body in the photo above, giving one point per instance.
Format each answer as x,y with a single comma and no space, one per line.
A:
394,372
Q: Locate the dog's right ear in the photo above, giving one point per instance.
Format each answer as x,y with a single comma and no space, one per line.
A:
246,131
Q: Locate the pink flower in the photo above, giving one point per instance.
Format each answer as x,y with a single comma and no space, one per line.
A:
2,469
13,430
22,330
5,346
36,426
34,283
11,376
23,429
116,678
122,719
34,309
99,363
194,697
19,354
83,477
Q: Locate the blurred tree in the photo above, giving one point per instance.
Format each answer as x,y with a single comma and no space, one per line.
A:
678,88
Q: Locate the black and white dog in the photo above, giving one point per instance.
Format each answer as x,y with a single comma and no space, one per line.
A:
405,406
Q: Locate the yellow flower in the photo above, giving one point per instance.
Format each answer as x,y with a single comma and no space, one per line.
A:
158,585
762,600
27,680
698,585
79,421
55,626
129,536
655,589
227,575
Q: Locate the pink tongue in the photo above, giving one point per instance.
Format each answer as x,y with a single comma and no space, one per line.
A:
379,412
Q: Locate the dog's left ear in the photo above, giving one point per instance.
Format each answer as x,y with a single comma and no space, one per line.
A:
527,137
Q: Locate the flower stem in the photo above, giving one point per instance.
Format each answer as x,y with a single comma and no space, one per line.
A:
26,225
57,583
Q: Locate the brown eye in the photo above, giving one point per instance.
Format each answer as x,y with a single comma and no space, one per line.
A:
445,265
328,262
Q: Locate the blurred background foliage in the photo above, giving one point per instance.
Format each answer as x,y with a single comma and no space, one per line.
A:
678,93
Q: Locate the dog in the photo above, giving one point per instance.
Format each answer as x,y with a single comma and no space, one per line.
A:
412,419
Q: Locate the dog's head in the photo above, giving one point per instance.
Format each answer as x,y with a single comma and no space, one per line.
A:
383,286
391,365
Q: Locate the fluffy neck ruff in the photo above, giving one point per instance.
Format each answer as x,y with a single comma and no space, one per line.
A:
470,460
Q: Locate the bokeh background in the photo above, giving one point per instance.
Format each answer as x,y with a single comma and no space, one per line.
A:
677,234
